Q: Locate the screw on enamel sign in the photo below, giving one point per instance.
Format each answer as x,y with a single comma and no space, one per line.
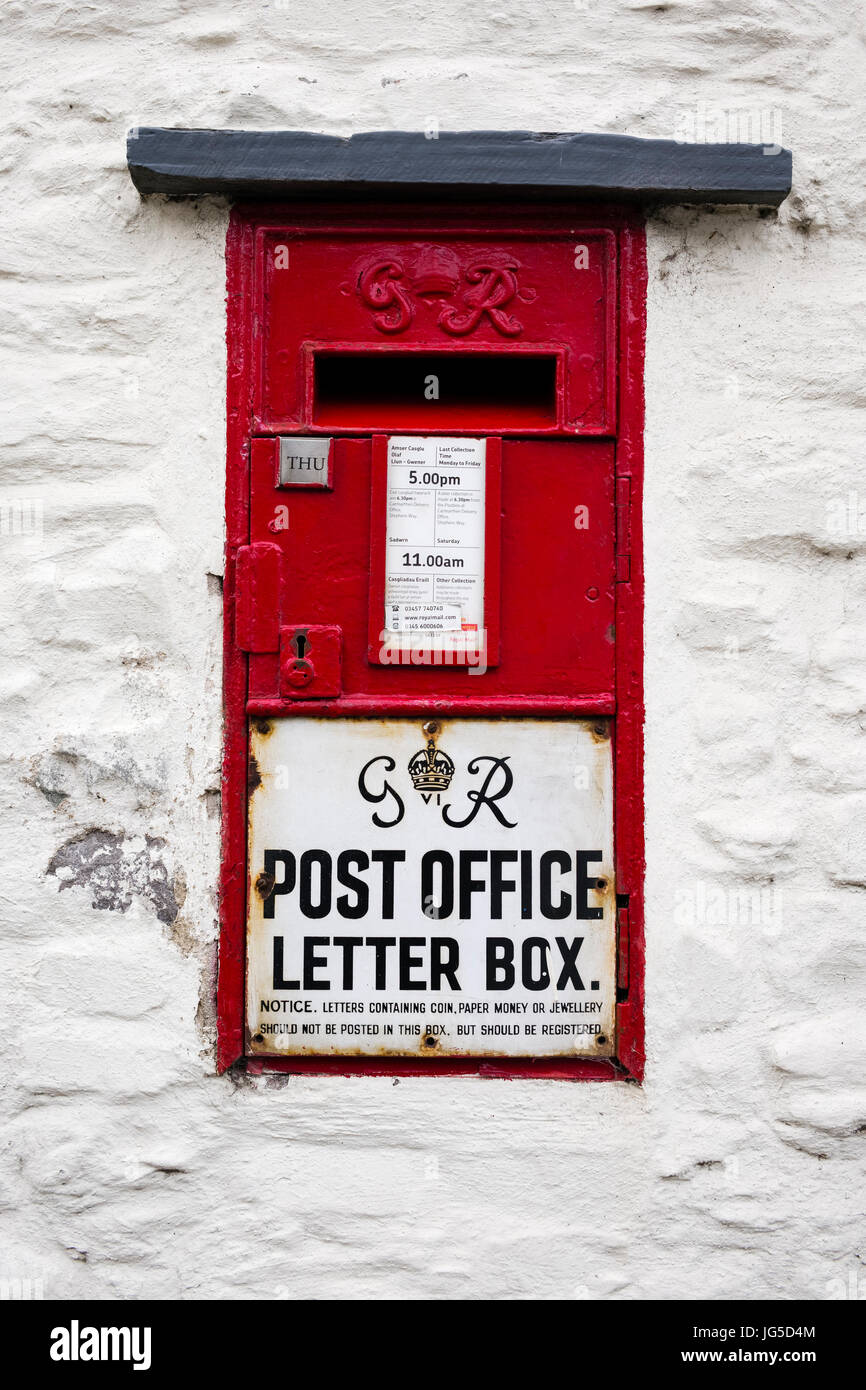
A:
427,887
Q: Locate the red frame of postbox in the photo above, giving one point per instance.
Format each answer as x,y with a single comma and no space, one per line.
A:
625,230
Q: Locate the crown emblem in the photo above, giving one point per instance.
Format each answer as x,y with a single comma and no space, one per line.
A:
431,770
437,272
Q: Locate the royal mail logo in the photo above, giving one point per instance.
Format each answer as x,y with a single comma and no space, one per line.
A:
463,297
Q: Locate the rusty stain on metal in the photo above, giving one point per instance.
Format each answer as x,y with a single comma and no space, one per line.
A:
265,884
254,777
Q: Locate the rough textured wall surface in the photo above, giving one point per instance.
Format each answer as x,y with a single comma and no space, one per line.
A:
128,1167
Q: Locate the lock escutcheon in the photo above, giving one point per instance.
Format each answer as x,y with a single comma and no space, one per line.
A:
299,672
310,659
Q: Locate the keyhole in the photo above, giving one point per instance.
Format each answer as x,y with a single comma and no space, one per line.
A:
299,642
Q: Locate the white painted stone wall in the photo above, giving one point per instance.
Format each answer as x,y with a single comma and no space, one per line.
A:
128,1168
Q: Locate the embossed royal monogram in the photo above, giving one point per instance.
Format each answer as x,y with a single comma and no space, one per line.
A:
393,310
478,293
494,288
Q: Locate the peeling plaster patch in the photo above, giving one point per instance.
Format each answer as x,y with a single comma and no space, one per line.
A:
115,869
110,777
179,888
52,794
183,935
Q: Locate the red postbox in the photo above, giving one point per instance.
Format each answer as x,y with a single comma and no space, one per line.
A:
432,791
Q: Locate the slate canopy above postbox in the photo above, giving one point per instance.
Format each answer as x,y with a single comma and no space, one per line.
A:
432,808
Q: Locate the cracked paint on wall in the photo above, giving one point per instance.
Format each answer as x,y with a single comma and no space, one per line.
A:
114,869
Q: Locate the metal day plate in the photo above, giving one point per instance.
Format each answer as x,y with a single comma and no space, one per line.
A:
304,462
431,888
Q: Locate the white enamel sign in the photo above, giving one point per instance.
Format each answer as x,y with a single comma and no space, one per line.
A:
431,888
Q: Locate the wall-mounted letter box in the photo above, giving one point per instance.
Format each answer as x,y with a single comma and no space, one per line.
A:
433,641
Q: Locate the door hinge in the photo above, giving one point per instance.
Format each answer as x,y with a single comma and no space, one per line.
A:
257,597
623,529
